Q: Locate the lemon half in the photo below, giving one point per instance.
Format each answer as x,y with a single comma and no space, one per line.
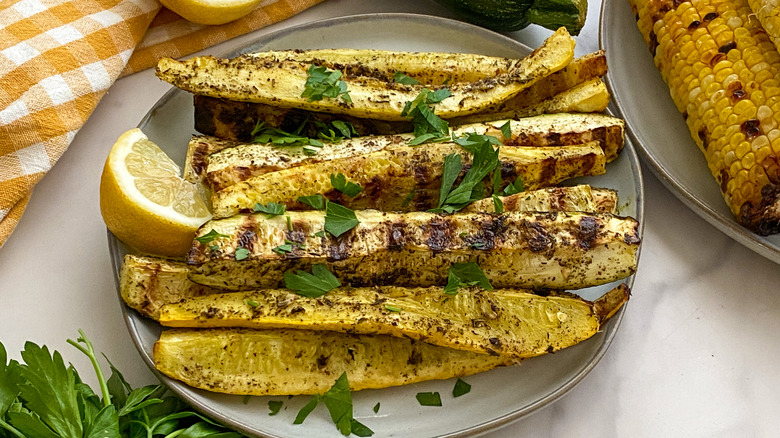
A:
211,11
144,201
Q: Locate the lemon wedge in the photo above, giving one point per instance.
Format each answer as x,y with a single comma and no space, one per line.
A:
144,201
211,11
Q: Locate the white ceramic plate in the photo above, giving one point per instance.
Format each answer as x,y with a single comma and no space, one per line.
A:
658,129
497,397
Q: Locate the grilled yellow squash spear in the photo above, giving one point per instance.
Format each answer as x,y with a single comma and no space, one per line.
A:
281,83
724,75
503,322
386,176
562,91
515,249
293,362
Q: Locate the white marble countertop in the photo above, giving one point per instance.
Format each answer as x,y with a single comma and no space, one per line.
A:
695,355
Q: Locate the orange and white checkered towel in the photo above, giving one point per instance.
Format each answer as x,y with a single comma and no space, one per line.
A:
58,58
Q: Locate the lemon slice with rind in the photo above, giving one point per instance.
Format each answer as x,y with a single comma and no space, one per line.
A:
144,201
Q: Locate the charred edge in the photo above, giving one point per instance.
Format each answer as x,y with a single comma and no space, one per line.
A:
396,236
588,231
338,248
536,235
490,231
439,234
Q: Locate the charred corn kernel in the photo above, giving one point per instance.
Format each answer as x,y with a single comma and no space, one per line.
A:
723,72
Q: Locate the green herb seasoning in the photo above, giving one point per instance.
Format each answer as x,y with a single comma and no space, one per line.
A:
316,202
241,253
461,388
339,219
429,398
274,407
312,285
210,236
428,127
323,83
338,400
271,209
465,275
340,183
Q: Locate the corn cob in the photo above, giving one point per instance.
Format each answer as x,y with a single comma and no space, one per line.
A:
768,14
724,76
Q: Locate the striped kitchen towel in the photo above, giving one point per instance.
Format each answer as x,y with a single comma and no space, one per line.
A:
58,58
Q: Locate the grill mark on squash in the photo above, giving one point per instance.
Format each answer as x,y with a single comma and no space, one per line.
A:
439,234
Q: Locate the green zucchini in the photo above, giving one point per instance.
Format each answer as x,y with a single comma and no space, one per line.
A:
512,15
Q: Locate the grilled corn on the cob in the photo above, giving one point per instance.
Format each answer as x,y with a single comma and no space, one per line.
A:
516,249
724,76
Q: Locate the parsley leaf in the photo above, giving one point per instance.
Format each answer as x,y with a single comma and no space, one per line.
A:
339,219
252,303
409,197
241,253
498,204
340,183
316,202
464,275
210,236
272,209
376,408
392,308
401,78
429,398
485,160
515,187
263,134
461,388
346,129
425,122
323,83
311,285
506,130
286,247
338,400
274,406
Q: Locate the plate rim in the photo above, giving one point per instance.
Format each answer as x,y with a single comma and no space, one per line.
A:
132,319
725,224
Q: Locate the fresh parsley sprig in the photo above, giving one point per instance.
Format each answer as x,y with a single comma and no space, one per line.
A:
316,202
42,397
210,237
428,127
322,83
338,400
401,78
465,275
484,160
312,285
271,209
340,183
339,219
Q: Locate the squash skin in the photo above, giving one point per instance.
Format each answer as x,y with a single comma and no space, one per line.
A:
512,15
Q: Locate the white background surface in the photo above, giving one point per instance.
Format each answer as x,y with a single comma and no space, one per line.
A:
696,355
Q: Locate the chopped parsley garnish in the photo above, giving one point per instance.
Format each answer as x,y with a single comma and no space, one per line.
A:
515,187
461,388
210,236
429,398
338,400
392,308
465,275
320,234
485,160
409,197
274,406
506,130
252,303
428,127
401,78
241,253
339,219
323,83
340,183
316,202
314,284
289,223
286,247
334,132
271,209
376,408
498,204
262,134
